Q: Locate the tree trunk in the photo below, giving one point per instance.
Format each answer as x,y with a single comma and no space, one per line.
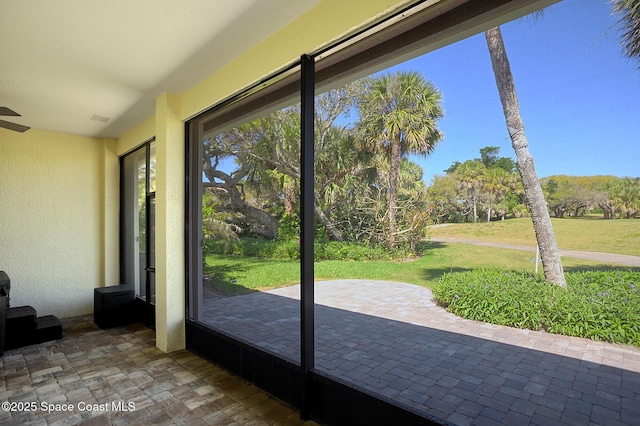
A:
289,199
608,209
534,197
333,232
475,208
269,224
394,164
226,188
233,202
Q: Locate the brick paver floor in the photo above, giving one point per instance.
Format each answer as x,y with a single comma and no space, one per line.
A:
391,339
95,374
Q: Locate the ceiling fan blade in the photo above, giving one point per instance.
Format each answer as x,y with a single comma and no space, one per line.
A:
13,126
8,112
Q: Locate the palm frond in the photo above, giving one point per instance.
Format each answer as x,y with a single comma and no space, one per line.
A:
628,12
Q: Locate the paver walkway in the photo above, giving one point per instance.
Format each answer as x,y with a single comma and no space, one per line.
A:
391,339
612,258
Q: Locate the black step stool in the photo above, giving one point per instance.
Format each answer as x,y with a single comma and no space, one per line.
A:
21,326
25,328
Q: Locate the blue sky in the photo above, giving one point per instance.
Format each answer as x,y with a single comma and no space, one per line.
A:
579,97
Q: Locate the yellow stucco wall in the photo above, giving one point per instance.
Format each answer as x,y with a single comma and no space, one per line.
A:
110,212
170,244
56,202
325,23
141,133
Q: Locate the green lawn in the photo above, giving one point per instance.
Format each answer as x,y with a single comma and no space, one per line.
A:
610,236
234,275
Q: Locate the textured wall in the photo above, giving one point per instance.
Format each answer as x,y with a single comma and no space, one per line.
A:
53,215
170,259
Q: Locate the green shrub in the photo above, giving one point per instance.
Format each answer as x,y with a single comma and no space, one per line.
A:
597,305
290,249
289,228
221,246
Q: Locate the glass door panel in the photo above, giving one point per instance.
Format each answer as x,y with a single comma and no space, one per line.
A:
133,221
138,226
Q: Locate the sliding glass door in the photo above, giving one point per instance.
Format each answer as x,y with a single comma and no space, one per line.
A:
138,186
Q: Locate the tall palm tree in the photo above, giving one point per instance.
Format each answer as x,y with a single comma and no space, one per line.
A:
496,184
534,198
399,115
629,12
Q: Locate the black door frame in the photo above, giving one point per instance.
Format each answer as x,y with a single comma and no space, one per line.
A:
144,309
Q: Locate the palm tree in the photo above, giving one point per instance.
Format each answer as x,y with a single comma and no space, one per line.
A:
473,176
497,183
399,115
534,197
629,12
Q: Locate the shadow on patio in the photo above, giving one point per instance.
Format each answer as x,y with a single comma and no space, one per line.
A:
390,339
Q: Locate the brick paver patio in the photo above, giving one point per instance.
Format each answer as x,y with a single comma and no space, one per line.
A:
386,337
391,339
95,374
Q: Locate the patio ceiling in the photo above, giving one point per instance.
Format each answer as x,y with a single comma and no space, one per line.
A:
67,61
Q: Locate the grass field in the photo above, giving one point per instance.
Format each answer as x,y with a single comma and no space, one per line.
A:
235,275
610,236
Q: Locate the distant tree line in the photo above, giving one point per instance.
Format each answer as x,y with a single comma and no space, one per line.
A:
484,188
618,198
489,188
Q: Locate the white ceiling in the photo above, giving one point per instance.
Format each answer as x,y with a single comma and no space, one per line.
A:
63,61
